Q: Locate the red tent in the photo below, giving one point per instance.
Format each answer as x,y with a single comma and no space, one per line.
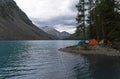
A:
93,42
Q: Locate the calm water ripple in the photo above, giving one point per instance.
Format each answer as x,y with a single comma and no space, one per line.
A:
42,60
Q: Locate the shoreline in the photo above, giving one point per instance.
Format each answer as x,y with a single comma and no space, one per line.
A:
92,50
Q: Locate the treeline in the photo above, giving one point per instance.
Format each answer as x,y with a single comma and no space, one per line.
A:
98,19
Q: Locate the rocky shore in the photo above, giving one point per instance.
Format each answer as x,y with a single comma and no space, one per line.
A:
92,50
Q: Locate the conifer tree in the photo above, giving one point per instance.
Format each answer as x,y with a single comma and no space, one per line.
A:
81,18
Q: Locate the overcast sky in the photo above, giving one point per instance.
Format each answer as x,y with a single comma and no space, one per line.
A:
59,14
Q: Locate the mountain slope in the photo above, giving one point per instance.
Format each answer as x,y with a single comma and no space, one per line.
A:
55,33
65,34
15,25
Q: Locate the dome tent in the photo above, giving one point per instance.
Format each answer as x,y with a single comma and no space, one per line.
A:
93,42
81,42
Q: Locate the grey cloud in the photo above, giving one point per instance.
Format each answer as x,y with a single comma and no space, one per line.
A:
59,20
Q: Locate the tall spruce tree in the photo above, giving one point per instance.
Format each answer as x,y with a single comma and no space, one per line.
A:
81,18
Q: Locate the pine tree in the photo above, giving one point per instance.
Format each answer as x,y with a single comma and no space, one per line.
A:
81,18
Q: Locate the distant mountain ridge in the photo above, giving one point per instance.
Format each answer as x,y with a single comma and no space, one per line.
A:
15,25
54,32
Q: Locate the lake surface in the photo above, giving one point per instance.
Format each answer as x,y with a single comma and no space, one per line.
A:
42,60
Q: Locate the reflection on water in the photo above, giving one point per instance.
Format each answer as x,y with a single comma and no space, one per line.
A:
104,67
42,60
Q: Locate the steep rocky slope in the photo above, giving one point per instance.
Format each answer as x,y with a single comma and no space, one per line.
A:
15,25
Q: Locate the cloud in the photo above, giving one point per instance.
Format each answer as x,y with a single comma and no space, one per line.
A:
47,9
50,12
55,21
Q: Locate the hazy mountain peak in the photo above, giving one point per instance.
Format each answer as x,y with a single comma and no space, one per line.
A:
56,33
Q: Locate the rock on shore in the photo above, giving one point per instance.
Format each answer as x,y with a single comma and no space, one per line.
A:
92,50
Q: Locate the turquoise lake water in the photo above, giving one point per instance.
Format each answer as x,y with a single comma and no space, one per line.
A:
42,60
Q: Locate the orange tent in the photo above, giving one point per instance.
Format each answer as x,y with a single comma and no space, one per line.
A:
93,42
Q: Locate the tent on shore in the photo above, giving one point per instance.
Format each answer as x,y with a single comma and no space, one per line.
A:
93,42
81,43
102,42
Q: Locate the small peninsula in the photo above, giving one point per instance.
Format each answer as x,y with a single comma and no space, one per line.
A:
92,50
